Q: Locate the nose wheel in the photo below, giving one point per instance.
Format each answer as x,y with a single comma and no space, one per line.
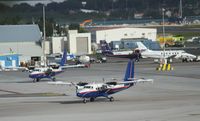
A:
111,99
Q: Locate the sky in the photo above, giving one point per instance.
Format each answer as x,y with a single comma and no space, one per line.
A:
31,2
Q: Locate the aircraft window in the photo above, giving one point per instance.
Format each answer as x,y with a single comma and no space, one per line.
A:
36,69
88,87
104,87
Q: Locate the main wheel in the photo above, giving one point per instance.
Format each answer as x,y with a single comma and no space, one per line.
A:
84,101
92,99
37,80
111,99
54,79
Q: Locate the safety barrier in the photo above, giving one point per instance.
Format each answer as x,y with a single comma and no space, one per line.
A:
165,67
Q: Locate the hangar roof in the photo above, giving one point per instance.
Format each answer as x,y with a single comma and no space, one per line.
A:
19,33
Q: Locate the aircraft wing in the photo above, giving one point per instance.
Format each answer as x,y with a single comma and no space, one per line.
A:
60,83
16,68
172,56
137,81
73,66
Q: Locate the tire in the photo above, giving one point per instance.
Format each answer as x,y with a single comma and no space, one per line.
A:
111,99
54,79
84,101
92,99
37,80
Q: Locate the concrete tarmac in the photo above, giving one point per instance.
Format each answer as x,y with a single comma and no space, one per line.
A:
174,95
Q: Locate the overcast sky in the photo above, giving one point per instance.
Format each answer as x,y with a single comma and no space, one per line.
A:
31,2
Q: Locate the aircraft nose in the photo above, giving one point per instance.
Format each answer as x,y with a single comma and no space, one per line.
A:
30,75
79,94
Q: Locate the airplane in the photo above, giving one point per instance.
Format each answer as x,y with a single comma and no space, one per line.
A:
167,54
106,50
92,91
47,72
51,71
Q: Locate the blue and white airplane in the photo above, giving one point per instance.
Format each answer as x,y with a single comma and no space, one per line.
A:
47,72
93,90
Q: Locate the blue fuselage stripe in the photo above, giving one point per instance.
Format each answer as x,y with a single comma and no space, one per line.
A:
103,93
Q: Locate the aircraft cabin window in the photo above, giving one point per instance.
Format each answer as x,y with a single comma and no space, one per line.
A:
88,87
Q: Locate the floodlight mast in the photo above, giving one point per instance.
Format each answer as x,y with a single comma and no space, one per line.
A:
44,36
163,18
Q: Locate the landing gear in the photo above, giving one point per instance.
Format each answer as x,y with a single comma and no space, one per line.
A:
37,80
84,100
111,99
54,79
92,99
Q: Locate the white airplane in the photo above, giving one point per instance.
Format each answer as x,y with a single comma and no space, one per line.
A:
93,90
167,54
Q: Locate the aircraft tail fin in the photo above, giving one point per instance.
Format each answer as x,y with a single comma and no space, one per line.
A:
105,47
130,71
64,57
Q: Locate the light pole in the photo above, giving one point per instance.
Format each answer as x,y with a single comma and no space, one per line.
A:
44,35
181,9
163,21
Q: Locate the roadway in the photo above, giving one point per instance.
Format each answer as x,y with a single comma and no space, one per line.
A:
174,95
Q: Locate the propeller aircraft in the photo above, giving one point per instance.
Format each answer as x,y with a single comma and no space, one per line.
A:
92,91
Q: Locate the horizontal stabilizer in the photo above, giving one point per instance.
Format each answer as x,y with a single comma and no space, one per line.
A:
59,83
137,81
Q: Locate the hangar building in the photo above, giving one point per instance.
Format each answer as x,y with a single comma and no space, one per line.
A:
117,34
79,43
24,40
